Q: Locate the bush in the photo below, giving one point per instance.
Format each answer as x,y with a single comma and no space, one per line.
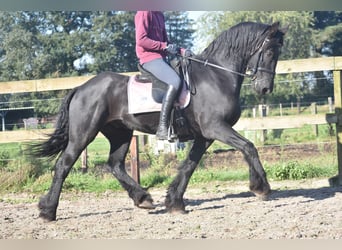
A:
15,180
18,170
4,156
293,170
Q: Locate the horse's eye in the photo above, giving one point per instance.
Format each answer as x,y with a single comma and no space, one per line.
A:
269,53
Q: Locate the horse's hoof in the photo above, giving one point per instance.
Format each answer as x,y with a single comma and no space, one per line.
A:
46,214
263,196
177,211
47,217
146,205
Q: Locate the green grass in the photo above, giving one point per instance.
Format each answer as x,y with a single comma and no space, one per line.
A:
210,175
21,174
154,177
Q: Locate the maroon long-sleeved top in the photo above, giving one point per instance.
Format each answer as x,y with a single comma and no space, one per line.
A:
150,35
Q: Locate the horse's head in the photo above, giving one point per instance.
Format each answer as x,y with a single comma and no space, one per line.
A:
263,60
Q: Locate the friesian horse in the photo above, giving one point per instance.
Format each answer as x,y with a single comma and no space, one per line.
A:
100,105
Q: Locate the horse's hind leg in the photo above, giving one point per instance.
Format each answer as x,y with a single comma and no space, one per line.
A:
48,203
79,136
174,200
119,144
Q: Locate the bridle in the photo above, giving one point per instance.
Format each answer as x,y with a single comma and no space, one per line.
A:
254,70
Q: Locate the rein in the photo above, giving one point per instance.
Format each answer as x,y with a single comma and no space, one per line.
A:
251,75
206,63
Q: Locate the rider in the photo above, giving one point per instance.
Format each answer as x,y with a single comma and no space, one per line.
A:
152,46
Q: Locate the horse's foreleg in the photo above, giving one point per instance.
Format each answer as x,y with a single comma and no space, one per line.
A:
257,176
120,141
258,183
174,200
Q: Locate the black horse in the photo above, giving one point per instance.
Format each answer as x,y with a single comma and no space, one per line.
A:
100,105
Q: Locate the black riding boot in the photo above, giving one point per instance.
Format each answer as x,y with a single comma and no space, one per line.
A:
168,100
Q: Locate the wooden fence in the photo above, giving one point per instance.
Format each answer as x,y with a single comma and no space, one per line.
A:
283,67
244,124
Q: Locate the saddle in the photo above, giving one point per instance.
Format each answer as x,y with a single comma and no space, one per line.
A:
146,92
158,87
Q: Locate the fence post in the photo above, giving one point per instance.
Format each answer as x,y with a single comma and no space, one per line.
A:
84,161
314,112
134,149
263,113
337,180
3,114
330,102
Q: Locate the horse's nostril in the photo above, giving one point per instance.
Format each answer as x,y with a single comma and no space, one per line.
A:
265,91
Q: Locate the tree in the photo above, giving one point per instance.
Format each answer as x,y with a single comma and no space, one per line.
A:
44,44
325,19
179,28
39,45
298,38
328,40
328,34
112,42
20,53
18,46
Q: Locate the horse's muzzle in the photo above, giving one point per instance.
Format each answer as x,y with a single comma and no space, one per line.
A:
263,87
265,91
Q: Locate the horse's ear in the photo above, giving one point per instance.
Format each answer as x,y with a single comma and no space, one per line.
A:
273,29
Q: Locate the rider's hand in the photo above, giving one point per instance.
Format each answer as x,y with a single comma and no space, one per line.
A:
172,49
186,52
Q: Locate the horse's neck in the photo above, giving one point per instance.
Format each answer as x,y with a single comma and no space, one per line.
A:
233,61
229,55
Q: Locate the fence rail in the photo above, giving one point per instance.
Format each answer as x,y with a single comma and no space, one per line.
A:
244,124
45,84
283,67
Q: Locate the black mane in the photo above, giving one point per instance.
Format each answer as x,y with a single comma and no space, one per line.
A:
238,40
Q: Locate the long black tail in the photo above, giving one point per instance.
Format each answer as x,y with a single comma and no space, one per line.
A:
59,138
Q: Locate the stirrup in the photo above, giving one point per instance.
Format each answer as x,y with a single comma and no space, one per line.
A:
172,136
